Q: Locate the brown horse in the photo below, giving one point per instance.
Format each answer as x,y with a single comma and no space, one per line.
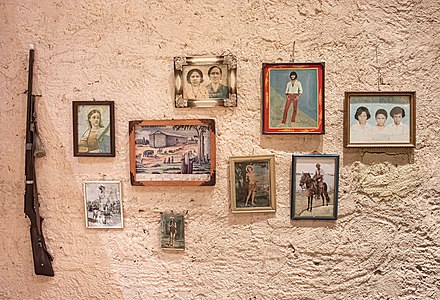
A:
313,189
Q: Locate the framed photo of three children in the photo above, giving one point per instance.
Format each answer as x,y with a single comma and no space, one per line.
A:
379,119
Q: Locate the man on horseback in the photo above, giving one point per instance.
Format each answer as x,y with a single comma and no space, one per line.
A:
319,177
321,185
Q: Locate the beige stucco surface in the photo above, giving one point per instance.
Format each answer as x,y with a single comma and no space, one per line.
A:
386,241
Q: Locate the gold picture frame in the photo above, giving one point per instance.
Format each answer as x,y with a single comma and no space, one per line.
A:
252,180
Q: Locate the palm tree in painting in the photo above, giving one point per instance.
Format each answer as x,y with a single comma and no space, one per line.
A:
200,129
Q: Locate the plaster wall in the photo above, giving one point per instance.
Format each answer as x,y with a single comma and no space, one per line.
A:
386,241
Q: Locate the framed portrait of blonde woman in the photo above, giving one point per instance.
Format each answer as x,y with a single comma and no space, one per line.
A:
379,119
205,81
252,180
93,128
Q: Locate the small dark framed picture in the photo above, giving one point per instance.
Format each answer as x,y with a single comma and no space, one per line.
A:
315,179
252,184
380,119
172,232
103,204
205,81
172,152
293,98
93,128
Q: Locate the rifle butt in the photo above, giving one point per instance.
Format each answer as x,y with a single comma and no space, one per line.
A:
42,257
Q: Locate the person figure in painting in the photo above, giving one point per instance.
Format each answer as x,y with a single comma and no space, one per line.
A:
215,88
293,93
173,229
95,138
319,177
361,130
398,131
187,163
251,179
380,131
98,204
195,90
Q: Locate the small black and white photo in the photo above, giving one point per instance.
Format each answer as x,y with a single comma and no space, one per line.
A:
103,204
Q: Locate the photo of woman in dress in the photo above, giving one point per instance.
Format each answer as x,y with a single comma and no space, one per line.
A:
194,89
215,88
361,130
95,139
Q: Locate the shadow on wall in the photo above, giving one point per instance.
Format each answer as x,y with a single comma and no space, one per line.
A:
369,156
293,143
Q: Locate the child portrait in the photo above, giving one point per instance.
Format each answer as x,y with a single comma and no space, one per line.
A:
380,119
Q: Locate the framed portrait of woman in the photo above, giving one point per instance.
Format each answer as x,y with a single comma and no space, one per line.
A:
205,81
293,98
379,119
172,152
93,128
315,180
252,180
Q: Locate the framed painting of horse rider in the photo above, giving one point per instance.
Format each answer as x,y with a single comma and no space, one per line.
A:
293,98
252,184
103,204
172,231
315,179
93,128
172,152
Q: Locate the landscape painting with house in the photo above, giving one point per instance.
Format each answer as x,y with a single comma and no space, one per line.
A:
172,152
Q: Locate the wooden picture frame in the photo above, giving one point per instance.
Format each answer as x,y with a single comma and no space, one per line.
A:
93,128
172,233
205,81
172,152
103,204
380,119
252,180
311,197
293,98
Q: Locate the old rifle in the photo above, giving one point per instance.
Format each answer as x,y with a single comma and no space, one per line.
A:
34,148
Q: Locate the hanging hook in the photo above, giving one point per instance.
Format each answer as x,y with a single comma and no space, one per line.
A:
378,70
292,56
379,74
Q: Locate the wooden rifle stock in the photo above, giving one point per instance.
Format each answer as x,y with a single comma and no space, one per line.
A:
42,257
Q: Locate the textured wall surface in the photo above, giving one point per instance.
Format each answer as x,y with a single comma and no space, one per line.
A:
386,241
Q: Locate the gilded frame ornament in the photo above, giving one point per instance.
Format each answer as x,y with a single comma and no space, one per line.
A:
217,85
